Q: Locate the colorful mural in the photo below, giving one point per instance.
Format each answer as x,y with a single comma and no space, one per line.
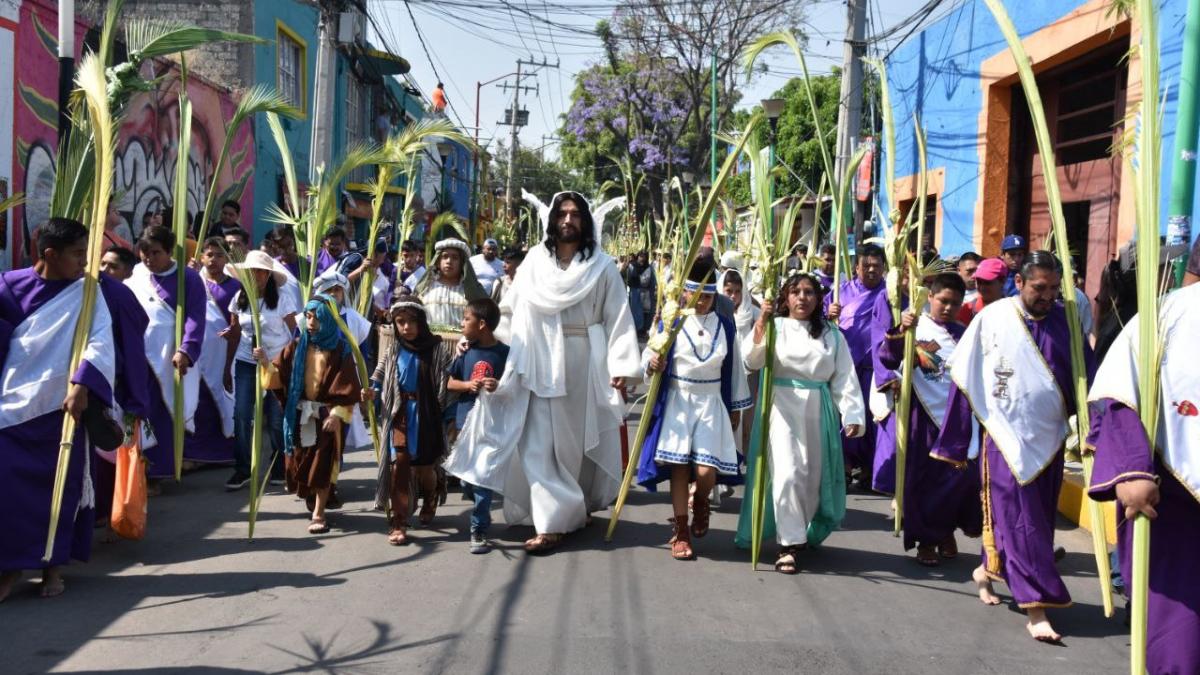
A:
147,140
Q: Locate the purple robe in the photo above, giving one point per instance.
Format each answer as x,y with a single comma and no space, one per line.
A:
29,451
324,261
162,456
883,465
131,391
1123,453
293,267
938,497
1018,521
208,444
865,316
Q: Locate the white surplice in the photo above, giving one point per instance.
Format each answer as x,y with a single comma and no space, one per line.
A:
548,438
795,436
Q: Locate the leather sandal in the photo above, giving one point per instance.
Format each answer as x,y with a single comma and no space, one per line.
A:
681,541
701,509
397,537
786,562
927,555
428,509
318,526
948,549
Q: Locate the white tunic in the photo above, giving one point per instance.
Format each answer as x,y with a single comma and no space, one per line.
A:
795,435
445,305
548,438
695,423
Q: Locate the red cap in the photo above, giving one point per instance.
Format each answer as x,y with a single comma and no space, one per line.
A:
991,270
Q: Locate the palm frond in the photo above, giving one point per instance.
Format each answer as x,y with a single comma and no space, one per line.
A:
289,164
108,32
150,38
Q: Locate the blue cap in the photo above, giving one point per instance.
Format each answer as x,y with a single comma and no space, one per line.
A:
1013,241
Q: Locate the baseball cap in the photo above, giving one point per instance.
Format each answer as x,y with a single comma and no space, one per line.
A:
991,270
1014,241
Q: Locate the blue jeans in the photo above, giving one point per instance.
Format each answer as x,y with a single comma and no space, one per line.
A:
243,420
481,514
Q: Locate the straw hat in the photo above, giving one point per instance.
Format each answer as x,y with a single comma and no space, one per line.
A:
259,260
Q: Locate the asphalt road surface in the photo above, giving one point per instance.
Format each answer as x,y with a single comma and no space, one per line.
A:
196,596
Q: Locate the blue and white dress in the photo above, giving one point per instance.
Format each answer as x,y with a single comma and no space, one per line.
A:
704,382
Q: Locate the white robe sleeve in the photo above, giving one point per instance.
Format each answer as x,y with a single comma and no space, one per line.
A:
754,355
844,385
623,357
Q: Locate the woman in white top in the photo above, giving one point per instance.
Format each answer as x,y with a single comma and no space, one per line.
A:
277,321
813,381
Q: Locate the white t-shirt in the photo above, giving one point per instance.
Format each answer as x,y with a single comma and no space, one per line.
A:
275,332
487,272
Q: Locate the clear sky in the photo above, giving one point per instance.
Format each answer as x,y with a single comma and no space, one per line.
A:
470,41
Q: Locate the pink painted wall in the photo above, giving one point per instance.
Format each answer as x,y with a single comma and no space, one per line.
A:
144,170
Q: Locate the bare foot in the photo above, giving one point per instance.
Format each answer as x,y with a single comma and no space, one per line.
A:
52,582
1039,626
987,595
7,581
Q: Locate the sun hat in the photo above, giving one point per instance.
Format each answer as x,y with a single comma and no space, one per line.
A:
259,260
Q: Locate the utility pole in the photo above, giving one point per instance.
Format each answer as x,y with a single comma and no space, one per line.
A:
516,123
850,106
322,102
66,66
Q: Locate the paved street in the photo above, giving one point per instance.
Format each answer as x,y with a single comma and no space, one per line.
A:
196,596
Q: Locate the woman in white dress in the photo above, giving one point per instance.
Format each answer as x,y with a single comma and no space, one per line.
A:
691,435
813,381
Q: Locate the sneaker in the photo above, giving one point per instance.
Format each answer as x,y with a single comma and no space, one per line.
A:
277,482
237,481
479,543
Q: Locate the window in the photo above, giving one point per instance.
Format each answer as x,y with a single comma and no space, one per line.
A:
355,128
290,53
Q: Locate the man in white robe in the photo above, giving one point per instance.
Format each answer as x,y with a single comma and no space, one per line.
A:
548,438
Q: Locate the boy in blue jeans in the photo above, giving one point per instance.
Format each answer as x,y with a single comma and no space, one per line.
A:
478,369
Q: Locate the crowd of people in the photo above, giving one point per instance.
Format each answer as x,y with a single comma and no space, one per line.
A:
507,372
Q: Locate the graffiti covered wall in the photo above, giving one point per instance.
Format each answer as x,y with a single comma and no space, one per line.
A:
147,140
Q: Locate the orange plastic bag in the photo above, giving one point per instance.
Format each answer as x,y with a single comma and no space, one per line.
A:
129,496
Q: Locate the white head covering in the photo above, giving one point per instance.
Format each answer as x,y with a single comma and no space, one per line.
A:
330,280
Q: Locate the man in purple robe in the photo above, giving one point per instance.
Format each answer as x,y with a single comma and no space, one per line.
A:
863,315
39,309
938,497
1012,370
335,253
212,441
155,283
1163,485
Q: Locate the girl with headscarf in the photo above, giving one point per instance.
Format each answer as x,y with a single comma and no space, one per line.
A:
411,379
316,379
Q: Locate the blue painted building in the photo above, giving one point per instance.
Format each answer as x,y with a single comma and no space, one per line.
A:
985,177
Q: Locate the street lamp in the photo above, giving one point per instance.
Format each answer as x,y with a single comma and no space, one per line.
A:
773,108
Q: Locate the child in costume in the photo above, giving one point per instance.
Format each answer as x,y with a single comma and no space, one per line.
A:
317,381
411,379
691,434
938,497
813,379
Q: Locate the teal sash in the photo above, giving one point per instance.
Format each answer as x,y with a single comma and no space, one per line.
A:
831,508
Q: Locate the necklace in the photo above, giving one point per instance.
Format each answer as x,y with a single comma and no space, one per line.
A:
712,347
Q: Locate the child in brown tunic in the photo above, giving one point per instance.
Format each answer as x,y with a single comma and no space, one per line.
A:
316,380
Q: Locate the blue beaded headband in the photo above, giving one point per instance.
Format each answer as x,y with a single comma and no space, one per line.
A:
693,286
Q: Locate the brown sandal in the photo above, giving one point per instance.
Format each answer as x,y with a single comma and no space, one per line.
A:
701,509
681,542
543,543
948,549
318,526
397,537
786,563
927,555
428,509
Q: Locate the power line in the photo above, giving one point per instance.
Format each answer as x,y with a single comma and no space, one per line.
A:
429,57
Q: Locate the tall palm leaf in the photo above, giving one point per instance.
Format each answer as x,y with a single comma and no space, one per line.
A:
151,38
90,79
257,99
1059,227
